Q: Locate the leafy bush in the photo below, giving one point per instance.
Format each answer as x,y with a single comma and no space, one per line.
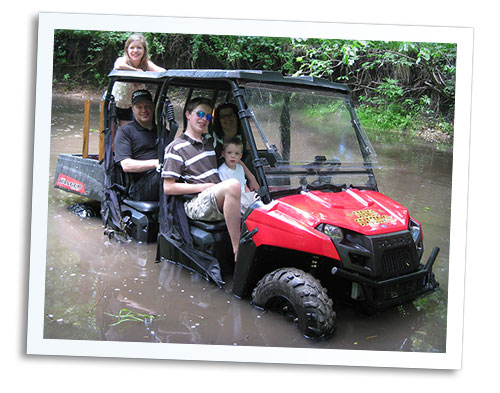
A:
399,85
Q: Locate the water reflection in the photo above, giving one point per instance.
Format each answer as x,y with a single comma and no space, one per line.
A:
89,279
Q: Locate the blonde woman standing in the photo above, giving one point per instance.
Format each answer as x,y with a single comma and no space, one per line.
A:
135,58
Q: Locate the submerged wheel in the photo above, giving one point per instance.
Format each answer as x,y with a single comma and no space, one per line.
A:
83,210
299,297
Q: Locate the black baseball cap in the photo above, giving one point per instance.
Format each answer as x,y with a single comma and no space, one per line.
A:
141,95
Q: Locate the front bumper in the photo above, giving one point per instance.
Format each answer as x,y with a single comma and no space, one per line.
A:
397,290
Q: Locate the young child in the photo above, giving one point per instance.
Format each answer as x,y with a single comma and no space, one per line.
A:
231,168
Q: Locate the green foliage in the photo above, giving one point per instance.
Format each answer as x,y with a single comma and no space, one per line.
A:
425,72
327,58
388,109
397,84
237,52
126,315
81,55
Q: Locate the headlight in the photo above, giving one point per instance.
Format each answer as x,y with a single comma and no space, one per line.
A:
415,230
335,233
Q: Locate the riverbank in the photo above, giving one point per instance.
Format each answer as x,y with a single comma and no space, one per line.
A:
435,136
428,134
83,93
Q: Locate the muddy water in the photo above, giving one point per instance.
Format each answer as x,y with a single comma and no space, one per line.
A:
90,280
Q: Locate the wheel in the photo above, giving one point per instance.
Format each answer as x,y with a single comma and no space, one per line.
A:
299,297
83,210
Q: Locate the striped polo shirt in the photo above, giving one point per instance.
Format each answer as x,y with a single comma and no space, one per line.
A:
191,161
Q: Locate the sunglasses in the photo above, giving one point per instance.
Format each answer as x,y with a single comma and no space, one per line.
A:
202,115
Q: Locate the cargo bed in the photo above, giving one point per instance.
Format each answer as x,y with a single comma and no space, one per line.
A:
81,176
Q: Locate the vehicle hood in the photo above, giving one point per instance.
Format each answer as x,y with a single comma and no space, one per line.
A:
363,211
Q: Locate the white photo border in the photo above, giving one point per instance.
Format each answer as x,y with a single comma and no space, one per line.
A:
462,36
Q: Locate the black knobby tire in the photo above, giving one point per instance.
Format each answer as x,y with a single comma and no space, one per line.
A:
300,297
83,210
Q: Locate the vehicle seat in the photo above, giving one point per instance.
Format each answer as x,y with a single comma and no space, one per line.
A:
143,215
147,207
213,238
210,226
123,182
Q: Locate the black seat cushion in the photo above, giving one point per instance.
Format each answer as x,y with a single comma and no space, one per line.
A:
210,226
142,206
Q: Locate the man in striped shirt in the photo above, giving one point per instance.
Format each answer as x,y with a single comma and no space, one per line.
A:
190,167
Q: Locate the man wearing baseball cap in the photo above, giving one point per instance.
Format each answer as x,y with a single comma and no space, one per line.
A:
136,149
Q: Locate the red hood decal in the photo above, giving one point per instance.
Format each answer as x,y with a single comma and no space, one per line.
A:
363,211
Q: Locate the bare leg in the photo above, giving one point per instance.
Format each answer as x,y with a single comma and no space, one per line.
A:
228,195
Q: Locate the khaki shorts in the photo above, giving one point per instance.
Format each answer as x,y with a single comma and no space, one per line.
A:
204,206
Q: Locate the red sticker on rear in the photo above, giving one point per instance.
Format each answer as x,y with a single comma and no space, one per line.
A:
70,184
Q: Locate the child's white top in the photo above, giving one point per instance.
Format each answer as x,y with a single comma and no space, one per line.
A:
239,174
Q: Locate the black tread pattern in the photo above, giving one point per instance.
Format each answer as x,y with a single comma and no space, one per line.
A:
312,306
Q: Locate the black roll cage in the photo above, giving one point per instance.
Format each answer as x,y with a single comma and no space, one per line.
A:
232,82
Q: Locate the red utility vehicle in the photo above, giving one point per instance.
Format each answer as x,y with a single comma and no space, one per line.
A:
319,229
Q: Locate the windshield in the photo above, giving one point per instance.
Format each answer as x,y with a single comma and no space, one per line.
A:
308,138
